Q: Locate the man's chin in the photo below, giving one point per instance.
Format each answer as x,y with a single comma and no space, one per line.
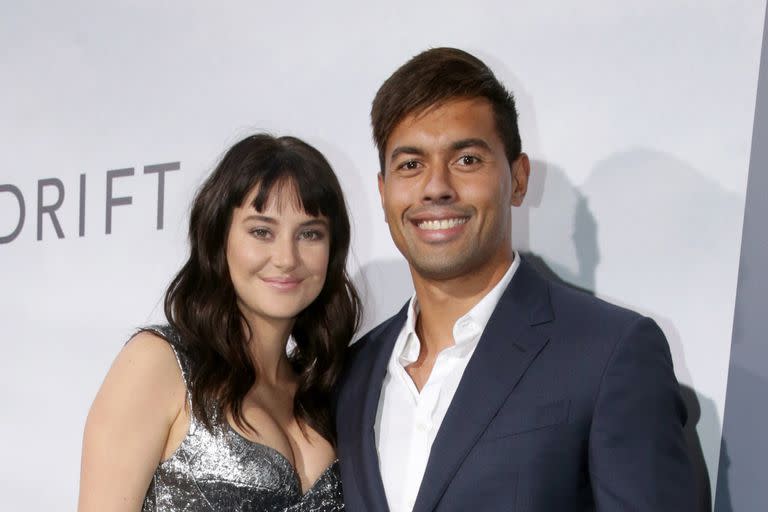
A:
440,269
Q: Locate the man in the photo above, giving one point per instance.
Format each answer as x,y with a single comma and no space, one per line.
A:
493,389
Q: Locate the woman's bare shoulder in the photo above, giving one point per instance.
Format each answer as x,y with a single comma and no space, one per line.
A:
127,428
147,371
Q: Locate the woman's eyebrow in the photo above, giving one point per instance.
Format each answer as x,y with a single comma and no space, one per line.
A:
318,221
315,221
261,218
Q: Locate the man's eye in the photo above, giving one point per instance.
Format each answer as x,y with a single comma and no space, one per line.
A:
469,160
409,165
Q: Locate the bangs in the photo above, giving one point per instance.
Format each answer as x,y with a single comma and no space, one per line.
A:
301,184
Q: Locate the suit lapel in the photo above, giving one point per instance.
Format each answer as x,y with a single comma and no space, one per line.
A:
366,459
506,349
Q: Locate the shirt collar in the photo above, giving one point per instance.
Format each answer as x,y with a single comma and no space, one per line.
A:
466,330
409,351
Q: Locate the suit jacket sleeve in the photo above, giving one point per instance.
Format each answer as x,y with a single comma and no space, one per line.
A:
638,458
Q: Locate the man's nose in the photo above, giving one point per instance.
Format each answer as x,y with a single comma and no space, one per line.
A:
439,186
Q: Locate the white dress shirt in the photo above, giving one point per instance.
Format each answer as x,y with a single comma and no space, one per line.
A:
407,420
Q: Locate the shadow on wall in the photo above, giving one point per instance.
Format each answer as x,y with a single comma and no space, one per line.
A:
723,501
694,408
742,487
654,207
560,226
384,287
649,205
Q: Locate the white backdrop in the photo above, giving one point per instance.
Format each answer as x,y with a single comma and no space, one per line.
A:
638,119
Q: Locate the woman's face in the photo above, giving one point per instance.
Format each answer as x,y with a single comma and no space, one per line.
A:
277,258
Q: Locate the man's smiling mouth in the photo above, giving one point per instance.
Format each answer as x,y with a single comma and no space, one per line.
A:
438,224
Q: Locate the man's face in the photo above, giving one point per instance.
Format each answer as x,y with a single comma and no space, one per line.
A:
447,190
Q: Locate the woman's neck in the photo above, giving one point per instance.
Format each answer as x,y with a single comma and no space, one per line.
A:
267,345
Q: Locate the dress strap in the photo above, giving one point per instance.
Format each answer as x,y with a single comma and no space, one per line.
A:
170,335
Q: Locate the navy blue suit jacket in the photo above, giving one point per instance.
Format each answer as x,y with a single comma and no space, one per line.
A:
568,404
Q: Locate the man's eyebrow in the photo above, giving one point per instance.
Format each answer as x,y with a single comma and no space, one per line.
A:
405,150
468,143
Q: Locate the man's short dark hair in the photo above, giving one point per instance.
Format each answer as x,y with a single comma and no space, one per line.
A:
434,77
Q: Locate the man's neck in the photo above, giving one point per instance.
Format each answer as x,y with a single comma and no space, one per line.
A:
443,302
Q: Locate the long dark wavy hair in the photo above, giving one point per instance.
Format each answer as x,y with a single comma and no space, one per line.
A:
201,303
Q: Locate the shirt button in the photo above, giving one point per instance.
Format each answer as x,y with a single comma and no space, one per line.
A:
422,427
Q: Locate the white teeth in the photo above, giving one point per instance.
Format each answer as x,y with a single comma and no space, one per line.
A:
441,224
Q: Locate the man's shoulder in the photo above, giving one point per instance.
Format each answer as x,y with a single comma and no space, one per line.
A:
575,307
368,342
570,305
362,352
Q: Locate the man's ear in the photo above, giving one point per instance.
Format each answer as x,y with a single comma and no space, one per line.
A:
381,192
521,170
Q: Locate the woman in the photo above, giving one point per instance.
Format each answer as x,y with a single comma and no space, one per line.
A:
210,412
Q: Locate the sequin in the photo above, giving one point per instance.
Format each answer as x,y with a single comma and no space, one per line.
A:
220,470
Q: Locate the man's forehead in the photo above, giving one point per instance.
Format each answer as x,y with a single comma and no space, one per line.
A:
446,107
459,123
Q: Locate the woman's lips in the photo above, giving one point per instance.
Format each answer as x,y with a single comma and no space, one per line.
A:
282,283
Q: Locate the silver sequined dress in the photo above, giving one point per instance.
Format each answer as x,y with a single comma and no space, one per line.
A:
223,471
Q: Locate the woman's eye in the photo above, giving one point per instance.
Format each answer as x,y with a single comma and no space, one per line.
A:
311,235
261,233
